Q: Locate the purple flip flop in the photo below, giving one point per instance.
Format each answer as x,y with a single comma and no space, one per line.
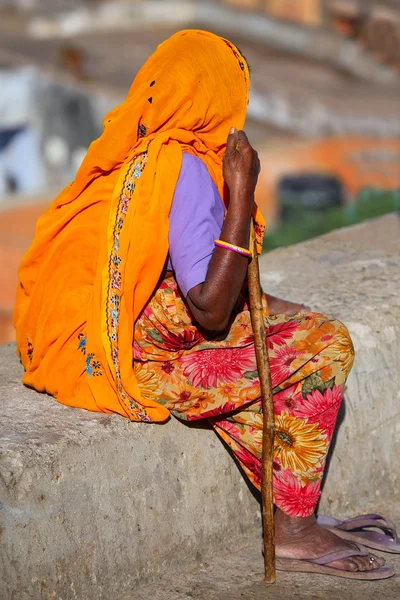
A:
359,530
321,566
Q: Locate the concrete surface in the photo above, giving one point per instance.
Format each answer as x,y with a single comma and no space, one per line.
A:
239,576
91,506
93,501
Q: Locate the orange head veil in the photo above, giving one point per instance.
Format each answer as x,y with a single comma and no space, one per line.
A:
100,248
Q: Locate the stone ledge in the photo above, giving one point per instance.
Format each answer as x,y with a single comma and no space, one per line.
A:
354,275
92,504
96,504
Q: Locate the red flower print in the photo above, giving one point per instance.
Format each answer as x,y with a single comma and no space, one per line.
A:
209,368
321,408
184,340
248,460
288,400
281,362
224,409
231,428
291,497
278,334
168,368
137,351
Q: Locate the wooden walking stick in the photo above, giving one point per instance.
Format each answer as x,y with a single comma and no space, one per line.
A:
263,367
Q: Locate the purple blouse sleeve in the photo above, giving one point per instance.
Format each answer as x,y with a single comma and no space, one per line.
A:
195,221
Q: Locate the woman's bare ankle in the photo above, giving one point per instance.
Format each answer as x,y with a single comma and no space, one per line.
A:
286,527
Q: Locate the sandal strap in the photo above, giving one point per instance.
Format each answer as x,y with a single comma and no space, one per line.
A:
339,555
370,520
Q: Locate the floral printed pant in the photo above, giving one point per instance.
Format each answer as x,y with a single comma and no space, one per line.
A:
199,377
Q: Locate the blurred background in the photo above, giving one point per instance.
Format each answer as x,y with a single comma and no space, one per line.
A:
324,111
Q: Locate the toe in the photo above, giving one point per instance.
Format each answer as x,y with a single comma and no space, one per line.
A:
362,562
377,561
352,565
348,564
368,563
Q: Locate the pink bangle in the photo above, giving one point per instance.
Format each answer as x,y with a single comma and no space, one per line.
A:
232,247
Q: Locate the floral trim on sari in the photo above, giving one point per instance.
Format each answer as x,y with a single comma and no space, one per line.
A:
114,291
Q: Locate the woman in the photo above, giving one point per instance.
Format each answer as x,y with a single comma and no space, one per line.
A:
132,296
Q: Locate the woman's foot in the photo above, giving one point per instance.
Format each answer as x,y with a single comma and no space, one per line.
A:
277,306
305,539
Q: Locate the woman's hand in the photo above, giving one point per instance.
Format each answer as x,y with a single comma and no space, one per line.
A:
241,168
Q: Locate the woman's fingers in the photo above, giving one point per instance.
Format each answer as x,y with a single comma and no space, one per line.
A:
232,141
236,140
243,137
241,163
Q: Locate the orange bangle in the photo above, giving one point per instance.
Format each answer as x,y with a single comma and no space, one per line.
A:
238,249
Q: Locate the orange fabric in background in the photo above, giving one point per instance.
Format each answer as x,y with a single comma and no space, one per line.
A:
187,96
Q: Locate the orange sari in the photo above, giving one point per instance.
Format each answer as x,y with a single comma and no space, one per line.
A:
100,248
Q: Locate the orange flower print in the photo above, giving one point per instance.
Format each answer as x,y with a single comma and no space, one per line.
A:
306,477
228,391
298,445
250,393
342,349
325,372
182,392
168,372
321,335
148,382
311,321
308,364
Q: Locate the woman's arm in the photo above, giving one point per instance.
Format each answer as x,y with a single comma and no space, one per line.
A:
213,301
